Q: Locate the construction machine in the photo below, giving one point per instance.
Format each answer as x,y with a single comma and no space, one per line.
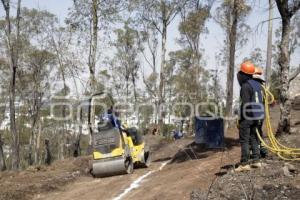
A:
116,150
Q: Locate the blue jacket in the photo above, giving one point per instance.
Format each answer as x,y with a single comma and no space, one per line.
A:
257,100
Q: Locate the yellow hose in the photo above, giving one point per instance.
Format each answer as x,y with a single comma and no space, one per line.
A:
285,153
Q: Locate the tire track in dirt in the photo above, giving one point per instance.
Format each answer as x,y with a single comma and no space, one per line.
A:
160,181
136,184
177,180
94,189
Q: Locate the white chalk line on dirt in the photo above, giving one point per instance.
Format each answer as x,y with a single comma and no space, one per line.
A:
135,184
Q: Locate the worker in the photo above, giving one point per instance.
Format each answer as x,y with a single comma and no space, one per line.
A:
177,134
251,101
259,78
113,117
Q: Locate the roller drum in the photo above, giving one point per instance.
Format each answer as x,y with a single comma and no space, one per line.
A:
109,167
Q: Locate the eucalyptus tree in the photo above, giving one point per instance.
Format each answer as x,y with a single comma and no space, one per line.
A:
4,82
190,76
231,15
127,52
287,10
34,76
12,50
256,56
35,89
148,41
89,18
192,25
160,14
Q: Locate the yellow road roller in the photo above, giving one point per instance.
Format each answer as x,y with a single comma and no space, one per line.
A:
116,150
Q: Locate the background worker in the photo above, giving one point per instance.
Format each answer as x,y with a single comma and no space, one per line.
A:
251,98
259,78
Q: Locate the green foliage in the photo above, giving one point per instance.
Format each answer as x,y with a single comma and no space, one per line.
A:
224,17
194,24
256,57
167,129
145,113
274,84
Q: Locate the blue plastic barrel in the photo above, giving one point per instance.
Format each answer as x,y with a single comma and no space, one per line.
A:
209,132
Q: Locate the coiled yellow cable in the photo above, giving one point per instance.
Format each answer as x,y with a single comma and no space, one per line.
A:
285,153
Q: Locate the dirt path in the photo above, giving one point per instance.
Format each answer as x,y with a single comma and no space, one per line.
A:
174,181
89,188
191,169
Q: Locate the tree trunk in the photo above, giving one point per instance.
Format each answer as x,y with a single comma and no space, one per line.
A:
93,52
30,160
2,158
77,149
94,43
286,10
162,77
13,128
13,52
48,157
231,63
62,145
32,143
284,61
269,47
37,144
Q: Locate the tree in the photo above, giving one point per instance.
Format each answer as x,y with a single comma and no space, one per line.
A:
127,52
12,46
3,68
184,81
2,158
4,83
88,18
34,76
269,46
192,26
160,14
33,91
287,10
231,15
293,45
216,89
148,41
256,57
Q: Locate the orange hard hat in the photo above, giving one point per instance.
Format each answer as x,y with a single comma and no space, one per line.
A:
247,68
258,71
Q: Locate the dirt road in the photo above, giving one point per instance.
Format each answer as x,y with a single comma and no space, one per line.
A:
189,169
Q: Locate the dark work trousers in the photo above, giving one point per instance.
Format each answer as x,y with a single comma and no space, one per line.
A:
247,132
262,148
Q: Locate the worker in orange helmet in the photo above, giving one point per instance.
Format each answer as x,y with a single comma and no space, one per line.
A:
251,101
258,76
258,72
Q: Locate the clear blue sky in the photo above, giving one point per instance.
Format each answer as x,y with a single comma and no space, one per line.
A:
212,42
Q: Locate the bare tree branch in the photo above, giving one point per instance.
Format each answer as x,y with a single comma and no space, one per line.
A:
295,74
295,8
